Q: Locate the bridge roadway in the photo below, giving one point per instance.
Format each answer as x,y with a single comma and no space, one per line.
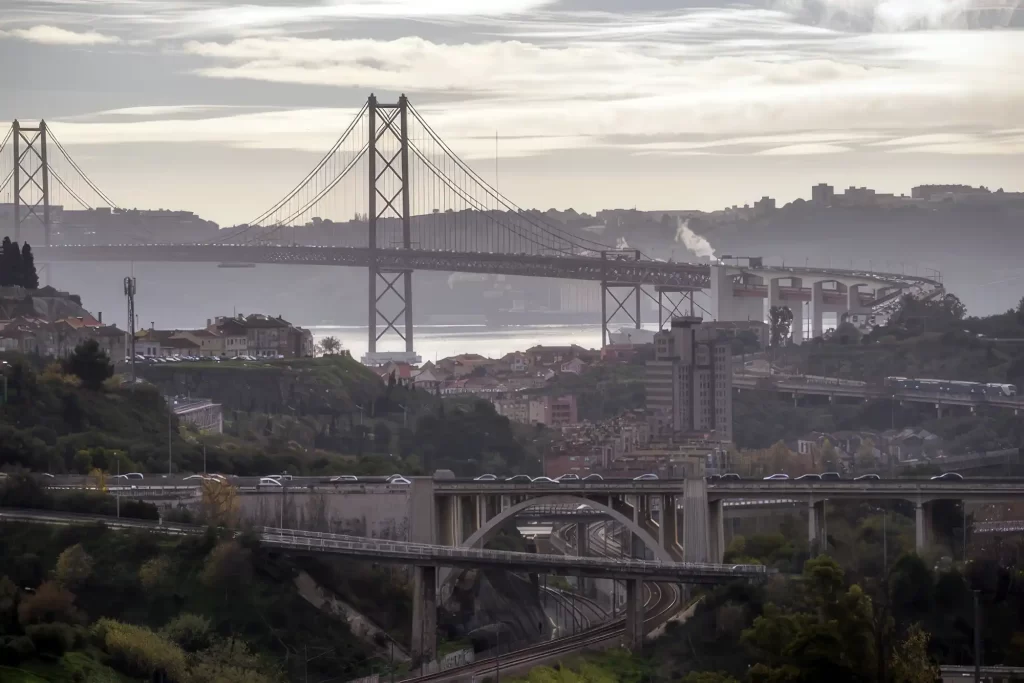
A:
422,554
685,276
798,386
682,275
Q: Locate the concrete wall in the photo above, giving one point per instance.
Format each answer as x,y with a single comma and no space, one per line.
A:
383,514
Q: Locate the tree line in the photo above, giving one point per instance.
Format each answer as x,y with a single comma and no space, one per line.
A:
17,265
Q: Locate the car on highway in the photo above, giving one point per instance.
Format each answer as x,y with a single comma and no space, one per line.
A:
398,481
711,478
343,478
731,476
568,477
194,476
269,481
809,477
543,480
130,475
778,476
593,477
948,476
486,477
524,478
279,477
646,477
867,477
831,476
395,476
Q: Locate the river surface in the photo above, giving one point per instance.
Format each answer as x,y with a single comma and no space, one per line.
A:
434,342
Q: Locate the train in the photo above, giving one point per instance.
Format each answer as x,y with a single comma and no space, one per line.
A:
951,387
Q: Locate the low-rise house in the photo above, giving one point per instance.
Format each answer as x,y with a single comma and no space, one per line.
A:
574,366
425,380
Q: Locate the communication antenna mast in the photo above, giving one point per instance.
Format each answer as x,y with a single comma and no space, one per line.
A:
129,292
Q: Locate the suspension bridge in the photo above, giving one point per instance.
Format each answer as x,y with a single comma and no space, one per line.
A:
392,197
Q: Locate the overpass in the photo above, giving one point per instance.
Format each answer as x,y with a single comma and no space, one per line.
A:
800,386
427,558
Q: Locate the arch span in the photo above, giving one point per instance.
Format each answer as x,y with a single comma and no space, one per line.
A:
489,530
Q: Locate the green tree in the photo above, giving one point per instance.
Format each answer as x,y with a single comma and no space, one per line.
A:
10,263
780,319
50,603
29,275
90,364
192,632
910,662
74,566
708,677
329,346
138,651
155,574
1019,313
382,437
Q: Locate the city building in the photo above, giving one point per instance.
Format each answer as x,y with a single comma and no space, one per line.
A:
553,411
765,205
689,382
823,194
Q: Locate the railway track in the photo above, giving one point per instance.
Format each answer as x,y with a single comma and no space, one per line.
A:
541,653
660,603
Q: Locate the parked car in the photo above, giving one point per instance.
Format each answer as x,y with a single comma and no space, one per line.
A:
948,476
269,481
341,478
778,476
646,477
486,477
809,477
593,477
831,476
867,477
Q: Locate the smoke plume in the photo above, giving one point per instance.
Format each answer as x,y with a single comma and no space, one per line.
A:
693,242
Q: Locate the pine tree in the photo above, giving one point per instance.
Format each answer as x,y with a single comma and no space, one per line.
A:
6,274
11,259
29,275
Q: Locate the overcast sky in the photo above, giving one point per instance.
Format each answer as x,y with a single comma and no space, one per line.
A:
218,107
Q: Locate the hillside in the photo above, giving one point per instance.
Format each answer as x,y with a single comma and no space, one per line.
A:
91,604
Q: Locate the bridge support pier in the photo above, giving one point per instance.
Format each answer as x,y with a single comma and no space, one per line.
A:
424,614
922,527
587,586
716,528
695,520
817,529
667,530
634,614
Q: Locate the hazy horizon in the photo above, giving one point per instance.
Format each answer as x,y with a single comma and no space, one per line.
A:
216,107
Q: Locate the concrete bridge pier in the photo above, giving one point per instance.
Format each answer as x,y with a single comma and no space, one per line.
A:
817,529
667,530
695,520
424,614
922,526
716,530
817,308
796,307
634,614
587,586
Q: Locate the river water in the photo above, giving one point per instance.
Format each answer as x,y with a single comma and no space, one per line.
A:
434,342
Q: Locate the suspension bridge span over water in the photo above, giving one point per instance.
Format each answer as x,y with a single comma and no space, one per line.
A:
393,197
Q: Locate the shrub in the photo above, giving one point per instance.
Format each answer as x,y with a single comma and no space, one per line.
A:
15,650
138,651
74,566
51,603
190,631
54,639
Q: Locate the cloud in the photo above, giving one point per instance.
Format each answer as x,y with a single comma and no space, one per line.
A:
904,15
804,150
54,35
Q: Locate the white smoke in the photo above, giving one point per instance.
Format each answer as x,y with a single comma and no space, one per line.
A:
693,242
621,243
904,15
